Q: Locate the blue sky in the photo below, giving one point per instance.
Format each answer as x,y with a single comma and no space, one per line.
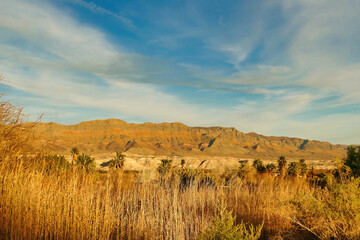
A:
283,68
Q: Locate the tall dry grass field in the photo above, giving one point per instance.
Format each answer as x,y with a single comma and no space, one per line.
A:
40,202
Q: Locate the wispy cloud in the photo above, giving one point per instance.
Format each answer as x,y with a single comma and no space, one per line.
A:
85,69
100,10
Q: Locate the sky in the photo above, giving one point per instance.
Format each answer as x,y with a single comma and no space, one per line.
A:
275,67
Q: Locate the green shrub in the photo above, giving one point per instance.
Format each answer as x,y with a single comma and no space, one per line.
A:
294,169
353,160
258,164
243,169
322,180
165,166
282,164
342,172
303,167
223,226
187,177
86,161
118,162
166,173
270,167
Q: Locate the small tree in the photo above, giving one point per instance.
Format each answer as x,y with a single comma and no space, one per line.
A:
118,162
86,162
353,160
16,136
74,153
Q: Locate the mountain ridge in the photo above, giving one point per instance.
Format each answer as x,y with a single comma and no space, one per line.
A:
176,138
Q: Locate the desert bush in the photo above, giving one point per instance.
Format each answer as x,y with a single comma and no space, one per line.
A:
259,166
118,162
165,166
342,172
165,169
223,226
243,169
187,177
332,212
294,169
282,165
16,137
86,162
322,180
270,167
353,160
303,167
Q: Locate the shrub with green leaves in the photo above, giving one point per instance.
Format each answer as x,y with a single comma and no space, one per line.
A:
303,167
187,177
86,161
118,162
165,166
282,164
322,180
243,169
294,169
223,226
270,167
258,164
353,160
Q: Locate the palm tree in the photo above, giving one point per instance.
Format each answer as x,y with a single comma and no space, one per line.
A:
75,153
118,162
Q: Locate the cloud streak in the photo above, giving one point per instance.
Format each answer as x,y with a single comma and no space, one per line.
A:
100,10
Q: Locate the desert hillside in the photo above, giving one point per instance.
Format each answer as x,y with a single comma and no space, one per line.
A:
101,136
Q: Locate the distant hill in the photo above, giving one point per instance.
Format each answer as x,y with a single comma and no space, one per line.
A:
177,139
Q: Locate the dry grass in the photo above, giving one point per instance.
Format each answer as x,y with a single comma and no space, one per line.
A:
41,202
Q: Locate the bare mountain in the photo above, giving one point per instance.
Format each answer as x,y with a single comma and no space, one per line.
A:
177,139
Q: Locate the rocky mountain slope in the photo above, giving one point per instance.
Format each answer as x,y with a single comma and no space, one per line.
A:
177,139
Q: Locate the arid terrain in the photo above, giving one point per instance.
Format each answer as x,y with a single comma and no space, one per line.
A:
146,144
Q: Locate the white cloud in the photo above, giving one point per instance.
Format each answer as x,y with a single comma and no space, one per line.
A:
79,49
